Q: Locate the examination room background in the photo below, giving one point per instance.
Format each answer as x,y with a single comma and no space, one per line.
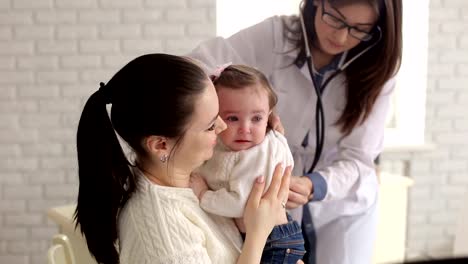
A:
54,53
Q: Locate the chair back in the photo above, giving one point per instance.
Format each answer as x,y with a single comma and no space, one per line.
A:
61,251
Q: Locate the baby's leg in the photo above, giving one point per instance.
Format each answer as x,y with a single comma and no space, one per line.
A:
285,244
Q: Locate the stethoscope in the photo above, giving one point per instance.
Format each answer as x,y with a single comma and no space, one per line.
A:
319,88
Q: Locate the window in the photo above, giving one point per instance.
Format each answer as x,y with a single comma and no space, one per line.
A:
232,16
406,120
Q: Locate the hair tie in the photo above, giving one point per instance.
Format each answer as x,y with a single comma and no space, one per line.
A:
105,93
217,72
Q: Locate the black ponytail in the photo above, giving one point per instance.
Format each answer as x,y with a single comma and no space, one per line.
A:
153,94
106,181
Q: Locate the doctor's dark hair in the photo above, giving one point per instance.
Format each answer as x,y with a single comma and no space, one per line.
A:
242,76
153,94
365,76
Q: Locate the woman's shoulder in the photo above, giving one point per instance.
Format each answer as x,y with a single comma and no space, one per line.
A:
272,28
158,227
291,21
285,32
153,208
150,200
167,196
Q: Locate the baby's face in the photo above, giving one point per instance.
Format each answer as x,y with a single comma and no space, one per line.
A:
245,112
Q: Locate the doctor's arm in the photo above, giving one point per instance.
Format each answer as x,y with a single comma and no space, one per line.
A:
354,164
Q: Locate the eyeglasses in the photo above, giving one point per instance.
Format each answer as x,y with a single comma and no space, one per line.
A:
338,23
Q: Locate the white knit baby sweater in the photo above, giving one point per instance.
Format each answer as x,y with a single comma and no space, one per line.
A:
231,174
166,225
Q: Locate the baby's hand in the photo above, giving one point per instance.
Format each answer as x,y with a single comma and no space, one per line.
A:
198,185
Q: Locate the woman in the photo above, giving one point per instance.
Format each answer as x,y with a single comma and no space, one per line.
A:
164,108
348,52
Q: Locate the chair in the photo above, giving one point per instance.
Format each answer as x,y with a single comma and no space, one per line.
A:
61,251
63,217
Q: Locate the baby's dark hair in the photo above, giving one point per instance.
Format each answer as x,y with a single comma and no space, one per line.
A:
240,76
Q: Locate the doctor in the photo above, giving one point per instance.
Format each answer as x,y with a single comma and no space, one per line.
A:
349,51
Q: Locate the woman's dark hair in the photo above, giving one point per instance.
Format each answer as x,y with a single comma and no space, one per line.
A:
241,76
152,95
366,76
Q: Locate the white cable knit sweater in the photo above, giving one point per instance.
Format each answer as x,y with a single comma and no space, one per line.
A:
166,225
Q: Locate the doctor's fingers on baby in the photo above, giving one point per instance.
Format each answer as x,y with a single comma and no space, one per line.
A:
275,122
295,200
299,191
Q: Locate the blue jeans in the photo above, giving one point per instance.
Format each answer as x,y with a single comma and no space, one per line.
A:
285,244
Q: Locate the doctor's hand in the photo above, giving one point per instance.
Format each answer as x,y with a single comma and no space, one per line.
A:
300,191
275,122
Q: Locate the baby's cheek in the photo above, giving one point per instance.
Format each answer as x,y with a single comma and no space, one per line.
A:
260,131
263,125
225,136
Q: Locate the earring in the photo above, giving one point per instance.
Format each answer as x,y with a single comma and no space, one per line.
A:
163,158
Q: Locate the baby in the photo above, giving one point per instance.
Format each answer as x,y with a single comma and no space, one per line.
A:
247,149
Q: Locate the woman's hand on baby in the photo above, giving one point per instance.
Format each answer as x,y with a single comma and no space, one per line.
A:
198,185
300,192
275,123
263,212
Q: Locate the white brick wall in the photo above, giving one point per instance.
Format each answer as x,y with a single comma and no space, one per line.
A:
441,176
53,54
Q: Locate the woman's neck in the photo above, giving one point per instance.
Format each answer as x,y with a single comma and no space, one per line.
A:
163,175
320,58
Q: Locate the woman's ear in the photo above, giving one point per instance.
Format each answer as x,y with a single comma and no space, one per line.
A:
156,145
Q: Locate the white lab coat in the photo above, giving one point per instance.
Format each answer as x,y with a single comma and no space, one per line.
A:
345,220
